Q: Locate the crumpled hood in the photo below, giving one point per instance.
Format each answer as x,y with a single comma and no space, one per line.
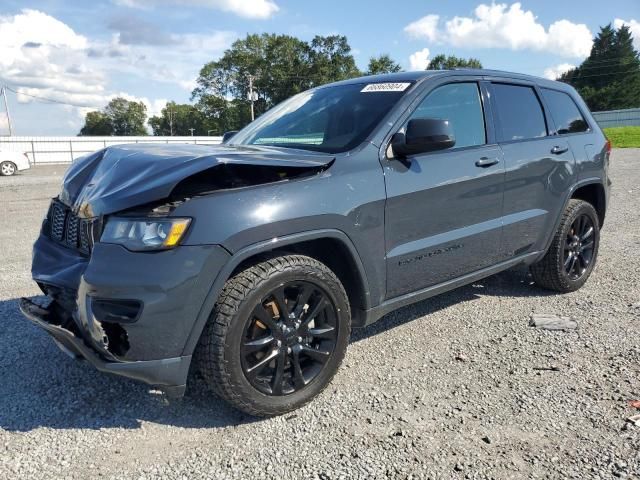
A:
125,176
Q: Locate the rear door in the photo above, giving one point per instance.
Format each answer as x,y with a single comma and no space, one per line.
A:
539,167
443,209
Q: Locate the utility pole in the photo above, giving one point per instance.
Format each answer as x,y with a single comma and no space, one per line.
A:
251,96
170,122
6,109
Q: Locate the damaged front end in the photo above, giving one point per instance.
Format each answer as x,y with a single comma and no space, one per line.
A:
128,310
169,374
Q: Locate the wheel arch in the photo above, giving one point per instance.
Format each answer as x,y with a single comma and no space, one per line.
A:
584,188
332,247
593,193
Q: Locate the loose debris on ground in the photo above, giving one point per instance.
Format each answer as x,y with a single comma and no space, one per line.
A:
553,322
402,406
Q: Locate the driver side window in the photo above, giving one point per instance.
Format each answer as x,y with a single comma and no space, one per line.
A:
460,104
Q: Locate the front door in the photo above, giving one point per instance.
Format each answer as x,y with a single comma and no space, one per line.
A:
443,210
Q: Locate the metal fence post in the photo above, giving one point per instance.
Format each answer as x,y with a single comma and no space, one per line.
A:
33,152
71,150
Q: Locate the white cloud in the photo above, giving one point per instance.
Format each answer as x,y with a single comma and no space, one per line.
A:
419,60
36,28
43,57
569,39
504,26
260,9
177,65
634,26
426,27
554,72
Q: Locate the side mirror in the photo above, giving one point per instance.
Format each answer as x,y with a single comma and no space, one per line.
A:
423,135
228,135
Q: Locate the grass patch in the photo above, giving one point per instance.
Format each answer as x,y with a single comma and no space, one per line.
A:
623,137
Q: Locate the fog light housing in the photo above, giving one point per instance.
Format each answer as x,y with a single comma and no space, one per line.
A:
115,311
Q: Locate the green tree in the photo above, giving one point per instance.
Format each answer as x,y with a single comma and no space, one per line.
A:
178,119
382,64
97,123
121,117
331,60
223,115
610,77
128,118
278,66
448,62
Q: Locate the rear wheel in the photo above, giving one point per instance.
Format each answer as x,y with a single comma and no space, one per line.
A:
573,252
277,335
7,169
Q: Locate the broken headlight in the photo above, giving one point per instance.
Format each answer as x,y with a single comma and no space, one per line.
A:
145,234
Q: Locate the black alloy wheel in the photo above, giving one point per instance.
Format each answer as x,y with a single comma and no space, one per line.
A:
579,247
573,252
276,336
289,338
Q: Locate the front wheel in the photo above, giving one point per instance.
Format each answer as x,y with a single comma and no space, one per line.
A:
573,251
7,169
277,335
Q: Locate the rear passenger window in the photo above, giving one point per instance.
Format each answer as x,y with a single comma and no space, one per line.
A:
565,112
460,104
519,111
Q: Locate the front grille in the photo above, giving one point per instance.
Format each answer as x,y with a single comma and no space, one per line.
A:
57,220
67,228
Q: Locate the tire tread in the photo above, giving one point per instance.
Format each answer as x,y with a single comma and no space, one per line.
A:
546,272
210,354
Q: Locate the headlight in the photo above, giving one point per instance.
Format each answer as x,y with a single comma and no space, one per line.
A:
145,234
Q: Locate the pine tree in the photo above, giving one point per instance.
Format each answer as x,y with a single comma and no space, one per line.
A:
610,77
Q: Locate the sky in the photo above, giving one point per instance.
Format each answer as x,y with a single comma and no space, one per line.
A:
83,53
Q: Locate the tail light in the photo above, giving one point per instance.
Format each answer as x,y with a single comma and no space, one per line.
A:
608,146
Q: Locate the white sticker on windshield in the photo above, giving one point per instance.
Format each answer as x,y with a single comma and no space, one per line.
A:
386,87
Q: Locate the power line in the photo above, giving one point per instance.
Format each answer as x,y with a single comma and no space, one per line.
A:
50,100
579,77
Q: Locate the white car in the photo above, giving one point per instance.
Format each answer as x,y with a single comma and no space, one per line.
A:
11,162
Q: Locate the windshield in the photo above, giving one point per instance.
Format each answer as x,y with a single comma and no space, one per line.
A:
330,119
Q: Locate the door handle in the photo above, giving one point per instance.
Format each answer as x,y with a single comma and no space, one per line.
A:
485,162
557,150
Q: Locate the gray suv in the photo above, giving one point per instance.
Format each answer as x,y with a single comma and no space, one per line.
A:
248,263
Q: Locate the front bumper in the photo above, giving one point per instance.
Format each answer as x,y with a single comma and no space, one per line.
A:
170,373
168,288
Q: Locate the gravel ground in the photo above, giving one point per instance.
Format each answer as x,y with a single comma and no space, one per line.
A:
458,386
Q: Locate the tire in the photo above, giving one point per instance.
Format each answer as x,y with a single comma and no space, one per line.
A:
573,252
238,325
8,168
